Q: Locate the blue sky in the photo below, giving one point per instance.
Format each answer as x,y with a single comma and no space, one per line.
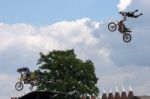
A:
39,12
28,27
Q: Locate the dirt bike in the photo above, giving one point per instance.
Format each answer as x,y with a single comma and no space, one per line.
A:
26,80
112,26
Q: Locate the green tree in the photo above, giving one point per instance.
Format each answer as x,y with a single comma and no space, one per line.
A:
62,71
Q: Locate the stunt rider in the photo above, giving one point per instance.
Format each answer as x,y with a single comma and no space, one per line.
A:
130,14
26,72
27,77
122,26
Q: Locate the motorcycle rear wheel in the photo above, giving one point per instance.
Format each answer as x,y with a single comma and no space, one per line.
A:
127,37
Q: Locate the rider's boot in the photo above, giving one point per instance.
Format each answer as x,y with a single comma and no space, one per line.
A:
138,15
136,10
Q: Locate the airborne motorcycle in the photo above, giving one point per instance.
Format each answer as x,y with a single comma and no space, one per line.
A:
26,78
112,26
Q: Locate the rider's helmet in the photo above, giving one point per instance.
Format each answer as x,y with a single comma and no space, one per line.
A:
24,69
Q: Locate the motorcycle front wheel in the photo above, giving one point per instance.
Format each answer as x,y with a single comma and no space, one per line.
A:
127,37
112,26
19,86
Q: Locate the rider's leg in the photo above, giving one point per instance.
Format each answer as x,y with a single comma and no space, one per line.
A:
140,14
132,13
136,16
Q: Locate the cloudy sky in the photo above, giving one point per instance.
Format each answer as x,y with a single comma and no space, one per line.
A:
28,27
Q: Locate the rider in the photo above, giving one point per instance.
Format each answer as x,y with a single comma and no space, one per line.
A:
26,71
122,27
130,14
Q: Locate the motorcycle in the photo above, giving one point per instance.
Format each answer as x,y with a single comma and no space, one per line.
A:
112,26
24,79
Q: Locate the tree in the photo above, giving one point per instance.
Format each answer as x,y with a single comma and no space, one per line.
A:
62,71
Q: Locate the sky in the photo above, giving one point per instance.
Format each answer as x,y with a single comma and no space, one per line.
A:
28,27
41,13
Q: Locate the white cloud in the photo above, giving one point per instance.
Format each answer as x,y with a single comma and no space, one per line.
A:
54,36
6,84
123,4
3,77
105,54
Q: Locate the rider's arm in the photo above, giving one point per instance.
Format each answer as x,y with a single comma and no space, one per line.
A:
124,16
